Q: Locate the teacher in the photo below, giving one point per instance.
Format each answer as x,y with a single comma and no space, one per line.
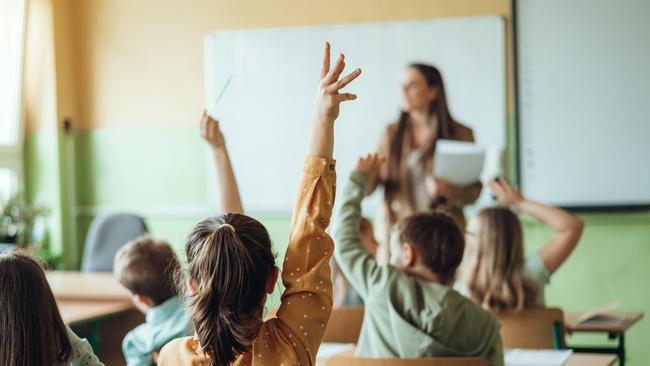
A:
409,145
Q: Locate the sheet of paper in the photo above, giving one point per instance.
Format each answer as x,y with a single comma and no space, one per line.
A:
536,357
458,162
328,350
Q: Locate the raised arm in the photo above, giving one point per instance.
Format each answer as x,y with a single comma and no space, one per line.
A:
328,104
567,227
356,262
211,133
307,300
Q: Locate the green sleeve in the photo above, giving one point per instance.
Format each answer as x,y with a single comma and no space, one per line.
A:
356,263
495,357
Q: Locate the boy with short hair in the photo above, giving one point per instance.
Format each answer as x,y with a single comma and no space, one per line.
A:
146,267
411,311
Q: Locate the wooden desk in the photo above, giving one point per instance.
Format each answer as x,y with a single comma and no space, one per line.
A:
588,359
576,359
75,312
98,308
571,323
86,286
613,332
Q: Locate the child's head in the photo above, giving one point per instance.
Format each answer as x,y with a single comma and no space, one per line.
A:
147,267
494,260
430,241
32,331
231,270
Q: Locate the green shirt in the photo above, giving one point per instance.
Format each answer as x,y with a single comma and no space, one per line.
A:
163,323
405,317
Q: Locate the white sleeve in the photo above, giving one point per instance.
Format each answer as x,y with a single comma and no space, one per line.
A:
82,353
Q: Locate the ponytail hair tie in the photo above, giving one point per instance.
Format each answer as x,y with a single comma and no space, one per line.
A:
228,226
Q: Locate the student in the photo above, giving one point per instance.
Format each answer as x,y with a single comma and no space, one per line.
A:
147,267
231,267
32,331
494,271
410,310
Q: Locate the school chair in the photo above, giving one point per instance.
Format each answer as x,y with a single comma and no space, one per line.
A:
344,325
538,328
433,361
108,233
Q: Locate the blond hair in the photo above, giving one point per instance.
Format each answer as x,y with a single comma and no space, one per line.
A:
497,281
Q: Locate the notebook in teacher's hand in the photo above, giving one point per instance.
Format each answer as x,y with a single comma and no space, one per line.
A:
458,162
604,316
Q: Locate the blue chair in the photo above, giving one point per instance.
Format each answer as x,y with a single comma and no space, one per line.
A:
106,235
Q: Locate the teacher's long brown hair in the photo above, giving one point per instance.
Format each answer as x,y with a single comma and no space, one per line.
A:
445,130
31,329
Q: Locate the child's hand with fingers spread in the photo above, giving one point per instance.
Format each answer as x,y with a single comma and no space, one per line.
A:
505,193
327,104
370,165
211,132
329,96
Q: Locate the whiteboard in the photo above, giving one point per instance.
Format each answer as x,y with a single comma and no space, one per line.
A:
266,113
584,99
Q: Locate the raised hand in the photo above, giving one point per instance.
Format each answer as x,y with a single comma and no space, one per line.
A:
329,87
327,104
211,132
370,165
505,193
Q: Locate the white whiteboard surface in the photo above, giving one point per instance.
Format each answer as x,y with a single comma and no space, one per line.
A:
584,101
266,113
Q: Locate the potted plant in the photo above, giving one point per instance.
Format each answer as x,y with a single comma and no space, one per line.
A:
17,219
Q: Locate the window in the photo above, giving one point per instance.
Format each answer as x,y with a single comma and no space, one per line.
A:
12,39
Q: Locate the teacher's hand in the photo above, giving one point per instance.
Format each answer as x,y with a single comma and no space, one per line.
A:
445,191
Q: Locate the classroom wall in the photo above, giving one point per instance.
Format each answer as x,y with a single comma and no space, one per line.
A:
132,88
132,85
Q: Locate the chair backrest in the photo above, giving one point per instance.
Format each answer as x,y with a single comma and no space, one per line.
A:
532,328
435,361
108,233
344,325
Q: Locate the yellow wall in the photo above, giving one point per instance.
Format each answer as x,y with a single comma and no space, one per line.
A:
39,90
125,63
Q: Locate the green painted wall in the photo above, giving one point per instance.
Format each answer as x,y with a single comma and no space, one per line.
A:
43,184
164,170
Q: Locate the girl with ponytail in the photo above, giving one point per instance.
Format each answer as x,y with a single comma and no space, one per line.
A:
231,267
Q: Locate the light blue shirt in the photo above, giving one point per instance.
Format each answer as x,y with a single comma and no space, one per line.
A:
163,323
